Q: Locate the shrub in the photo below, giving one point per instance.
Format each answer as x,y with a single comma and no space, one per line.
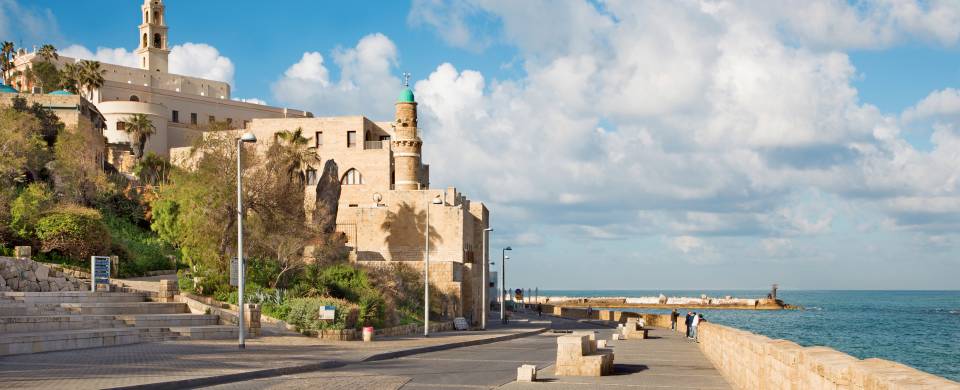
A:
139,250
372,310
28,208
304,313
75,231
345,281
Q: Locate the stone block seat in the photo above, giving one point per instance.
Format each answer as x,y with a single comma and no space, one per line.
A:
32,322
633,329
577,355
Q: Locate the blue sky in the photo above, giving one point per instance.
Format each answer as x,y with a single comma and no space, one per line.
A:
625,144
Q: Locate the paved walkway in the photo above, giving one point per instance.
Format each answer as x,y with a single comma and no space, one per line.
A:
140,364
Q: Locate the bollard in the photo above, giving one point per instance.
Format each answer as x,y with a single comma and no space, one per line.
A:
367,334
251,317
527,373
168,290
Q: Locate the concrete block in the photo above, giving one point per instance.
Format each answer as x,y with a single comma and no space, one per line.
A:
601,344
616,336
527,373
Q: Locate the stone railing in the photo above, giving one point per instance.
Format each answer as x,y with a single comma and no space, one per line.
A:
751,361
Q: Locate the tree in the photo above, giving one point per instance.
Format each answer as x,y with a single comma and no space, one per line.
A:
48,52
23,152
298,155
77,175
152,170
140,128
7,50
47,75
75,231
91,77
71,78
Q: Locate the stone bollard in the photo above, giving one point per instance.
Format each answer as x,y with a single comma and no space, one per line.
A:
527,373
168,290
601,344
367,334
251,316
22,252
616,336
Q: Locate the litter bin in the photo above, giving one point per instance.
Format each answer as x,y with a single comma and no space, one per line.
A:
367,334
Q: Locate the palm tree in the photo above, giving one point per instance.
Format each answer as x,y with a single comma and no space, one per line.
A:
140,128
70,78
297,153
7,50
91,77
48,52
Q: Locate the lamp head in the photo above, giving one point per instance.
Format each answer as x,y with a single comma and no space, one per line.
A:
506,257
248,137
488,229
508,249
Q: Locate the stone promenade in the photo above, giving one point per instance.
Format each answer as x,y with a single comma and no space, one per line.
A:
151,363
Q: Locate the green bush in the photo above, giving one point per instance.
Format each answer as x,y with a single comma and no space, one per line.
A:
184,280
139,250
345,281
28,208
304,313
372,310
75,231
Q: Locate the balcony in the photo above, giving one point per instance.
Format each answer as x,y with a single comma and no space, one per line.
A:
373,144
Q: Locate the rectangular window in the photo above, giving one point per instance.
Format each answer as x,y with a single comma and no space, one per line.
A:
351,139
176,116
318,139
311,177
121,126
193,118
211,119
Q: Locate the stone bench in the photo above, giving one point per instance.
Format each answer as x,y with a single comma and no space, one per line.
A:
633,330
577,355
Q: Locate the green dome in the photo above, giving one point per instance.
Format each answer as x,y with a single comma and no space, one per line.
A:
61,93
7,89
406,96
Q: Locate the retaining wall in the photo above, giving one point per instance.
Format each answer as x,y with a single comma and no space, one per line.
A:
750,361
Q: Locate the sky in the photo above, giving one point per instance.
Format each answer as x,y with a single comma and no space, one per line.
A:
622,144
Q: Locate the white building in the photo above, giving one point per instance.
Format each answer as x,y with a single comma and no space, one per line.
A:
180,106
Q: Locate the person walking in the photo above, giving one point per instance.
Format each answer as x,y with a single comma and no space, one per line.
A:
589,312
696,322
688,321
673,319
539,310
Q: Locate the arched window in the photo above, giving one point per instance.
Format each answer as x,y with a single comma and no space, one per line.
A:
157,41
146,17
134,98
144,39
352,177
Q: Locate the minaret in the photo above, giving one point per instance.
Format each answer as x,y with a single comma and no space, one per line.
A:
406,143
153,49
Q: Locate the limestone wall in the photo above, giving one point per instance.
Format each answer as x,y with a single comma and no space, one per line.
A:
750,361
29,276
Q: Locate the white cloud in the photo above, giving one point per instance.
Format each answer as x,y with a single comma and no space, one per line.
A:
252,100
367,82
945,102
189,59
687,244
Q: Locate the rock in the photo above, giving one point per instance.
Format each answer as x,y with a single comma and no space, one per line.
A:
44,286
3,282
328,197
14,284
29,276
43,272
29,286
8,270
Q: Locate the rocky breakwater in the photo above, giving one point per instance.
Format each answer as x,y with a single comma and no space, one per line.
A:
29,276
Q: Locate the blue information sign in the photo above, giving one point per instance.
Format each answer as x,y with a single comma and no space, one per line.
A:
99,271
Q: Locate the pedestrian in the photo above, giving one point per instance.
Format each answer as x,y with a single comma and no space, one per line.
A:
688,321
696,322
673,319
589,311
539,310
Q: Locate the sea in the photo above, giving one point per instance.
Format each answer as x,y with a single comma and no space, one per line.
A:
917,328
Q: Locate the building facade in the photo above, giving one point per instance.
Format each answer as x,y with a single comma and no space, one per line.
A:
387,209
180,107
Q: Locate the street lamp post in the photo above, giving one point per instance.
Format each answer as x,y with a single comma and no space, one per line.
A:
503,280
484,271
247,137
426,271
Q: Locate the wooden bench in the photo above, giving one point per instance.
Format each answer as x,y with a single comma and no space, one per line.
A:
578,355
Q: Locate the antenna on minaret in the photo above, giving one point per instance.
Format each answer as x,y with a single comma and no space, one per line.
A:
406,79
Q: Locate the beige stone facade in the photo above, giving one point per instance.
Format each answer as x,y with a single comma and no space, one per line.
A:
181,107
76,113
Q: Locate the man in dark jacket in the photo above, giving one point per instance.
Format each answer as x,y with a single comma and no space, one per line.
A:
689,322
673,319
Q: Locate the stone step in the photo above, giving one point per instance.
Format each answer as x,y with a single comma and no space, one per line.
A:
49,323
168,320
22,343
127,308
73,297
210,332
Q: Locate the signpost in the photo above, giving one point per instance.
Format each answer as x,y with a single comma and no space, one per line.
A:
234,279
99,271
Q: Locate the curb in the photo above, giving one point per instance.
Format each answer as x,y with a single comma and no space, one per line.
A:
327,364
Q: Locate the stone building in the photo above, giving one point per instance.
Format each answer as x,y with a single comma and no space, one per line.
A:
385,197
180,107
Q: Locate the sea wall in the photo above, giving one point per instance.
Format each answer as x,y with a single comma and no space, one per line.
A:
750,361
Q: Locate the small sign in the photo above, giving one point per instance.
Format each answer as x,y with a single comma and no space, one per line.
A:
99,271
328,313
460,323
234,279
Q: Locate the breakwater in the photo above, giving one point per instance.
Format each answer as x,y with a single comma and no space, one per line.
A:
751,361
669,303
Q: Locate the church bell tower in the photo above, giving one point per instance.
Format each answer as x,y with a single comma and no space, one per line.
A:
153,50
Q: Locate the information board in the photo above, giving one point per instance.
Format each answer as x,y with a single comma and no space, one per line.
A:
99,271
234,279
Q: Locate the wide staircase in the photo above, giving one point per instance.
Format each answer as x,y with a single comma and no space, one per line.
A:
32,322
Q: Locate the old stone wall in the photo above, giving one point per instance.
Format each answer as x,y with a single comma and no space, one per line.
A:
25,275
750,361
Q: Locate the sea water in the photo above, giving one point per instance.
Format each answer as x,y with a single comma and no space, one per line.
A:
917,328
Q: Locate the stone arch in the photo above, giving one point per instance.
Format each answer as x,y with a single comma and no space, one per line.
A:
134,98
352,177
144,39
